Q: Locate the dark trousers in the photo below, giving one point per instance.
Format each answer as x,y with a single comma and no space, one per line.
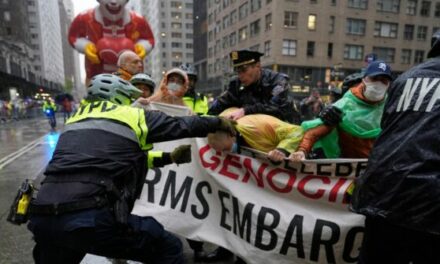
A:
61,239
388,243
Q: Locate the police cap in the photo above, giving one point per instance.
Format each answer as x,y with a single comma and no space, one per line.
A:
243,57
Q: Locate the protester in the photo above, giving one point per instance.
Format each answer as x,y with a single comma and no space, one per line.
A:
354,119
129,64
172,88
399,191
311,106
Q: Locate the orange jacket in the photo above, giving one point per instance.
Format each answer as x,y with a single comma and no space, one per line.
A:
351,146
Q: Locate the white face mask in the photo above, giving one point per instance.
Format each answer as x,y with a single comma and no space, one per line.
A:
174,86
375,91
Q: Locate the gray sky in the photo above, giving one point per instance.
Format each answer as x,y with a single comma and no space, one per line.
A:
78,7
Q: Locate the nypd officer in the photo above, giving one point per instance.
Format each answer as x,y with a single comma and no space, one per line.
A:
399,192
255,90
197,102
96,173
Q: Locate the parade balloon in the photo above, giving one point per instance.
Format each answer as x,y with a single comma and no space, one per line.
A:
109,49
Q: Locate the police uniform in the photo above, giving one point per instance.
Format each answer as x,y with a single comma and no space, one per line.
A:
197,102
96,173
269,95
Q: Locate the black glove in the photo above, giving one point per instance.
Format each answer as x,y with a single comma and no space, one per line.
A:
228,126
181,154
331,115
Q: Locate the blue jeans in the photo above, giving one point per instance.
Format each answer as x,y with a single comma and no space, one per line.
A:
67,238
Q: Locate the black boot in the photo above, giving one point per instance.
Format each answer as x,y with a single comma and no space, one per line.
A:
220,254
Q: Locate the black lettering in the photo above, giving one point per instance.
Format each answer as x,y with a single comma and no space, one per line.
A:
360,168
343,169
287,166
319,170
225,211
184,191
317,240
269,228
350,239
94,105
105,109
295,224
303,169
81,110
203,202
150,184
245,222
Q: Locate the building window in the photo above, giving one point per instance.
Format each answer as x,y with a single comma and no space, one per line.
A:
290,19
177,55
188,25
164,44
356,26
7,16
408,33
254,28
189,16
333,2
422,31
210,36
242,34
176,4
388,5
406,56
268,2
225,3
353,52
268,20
189,45
189,55
313,1
360,4
176,15
255,5
419,56
411,7
311,24
226,22
176,25
386,54
232,39
233,16
189,35
332,24
243,11
330,50
176,45
176,35
267,48
310,48
425,9
385,30
289,47
225,42
437,10
188,5
210,52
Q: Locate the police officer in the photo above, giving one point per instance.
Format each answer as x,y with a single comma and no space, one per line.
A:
399,193
96,173
145,83
197,102
255,90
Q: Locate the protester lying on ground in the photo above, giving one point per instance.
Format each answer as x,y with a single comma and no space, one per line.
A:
350,126
261,132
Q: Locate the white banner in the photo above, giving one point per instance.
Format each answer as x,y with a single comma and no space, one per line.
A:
290,213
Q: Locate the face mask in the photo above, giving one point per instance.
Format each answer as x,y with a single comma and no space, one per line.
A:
375,91
174,86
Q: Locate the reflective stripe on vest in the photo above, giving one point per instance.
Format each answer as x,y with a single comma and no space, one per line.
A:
134,118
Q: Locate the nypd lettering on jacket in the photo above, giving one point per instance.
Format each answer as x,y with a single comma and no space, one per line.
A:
419,94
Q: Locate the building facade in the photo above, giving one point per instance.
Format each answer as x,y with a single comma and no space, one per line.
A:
317,42
45,30
172,26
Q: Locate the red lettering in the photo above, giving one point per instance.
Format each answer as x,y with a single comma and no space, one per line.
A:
319,193
259,176
270,179
209,165
230,160
334,191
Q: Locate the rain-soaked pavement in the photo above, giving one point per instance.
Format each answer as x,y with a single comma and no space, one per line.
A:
25,148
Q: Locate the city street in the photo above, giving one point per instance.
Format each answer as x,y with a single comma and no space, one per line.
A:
26,147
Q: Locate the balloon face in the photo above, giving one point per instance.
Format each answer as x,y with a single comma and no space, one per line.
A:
113,7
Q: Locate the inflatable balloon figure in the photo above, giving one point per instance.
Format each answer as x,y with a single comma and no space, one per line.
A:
104,32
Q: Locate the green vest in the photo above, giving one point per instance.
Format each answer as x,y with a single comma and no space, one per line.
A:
95,114
198,105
